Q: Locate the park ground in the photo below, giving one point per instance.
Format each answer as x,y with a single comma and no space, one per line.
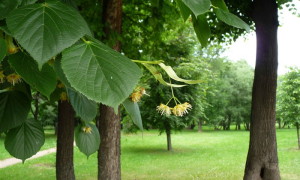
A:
210,155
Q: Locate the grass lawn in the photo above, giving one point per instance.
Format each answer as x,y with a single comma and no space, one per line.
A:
207,155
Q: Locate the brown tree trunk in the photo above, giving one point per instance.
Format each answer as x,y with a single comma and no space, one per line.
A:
279,123
109,153
298,135
228,123
262,160
65,139
109,165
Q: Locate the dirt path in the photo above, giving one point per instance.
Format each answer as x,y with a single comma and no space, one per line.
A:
12,161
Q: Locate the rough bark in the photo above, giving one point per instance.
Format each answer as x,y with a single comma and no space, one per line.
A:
109,125
109,153
65,139
262,160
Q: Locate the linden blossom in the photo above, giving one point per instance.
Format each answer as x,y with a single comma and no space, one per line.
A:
181,109
178,110
164,109
13,78
87,129
137,94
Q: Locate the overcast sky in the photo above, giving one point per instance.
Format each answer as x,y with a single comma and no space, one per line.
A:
288,43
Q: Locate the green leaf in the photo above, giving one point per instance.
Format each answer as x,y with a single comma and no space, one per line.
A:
133,110
44,81
6,6
86,109
197,6
2,49
157,75
14,108
202,29
220,4
87,142
99,72
5,30
27,2
231,19
26,140
184,10
59,72
172,74
46,29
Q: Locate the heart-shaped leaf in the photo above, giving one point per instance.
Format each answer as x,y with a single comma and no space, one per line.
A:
14,108
26,140
87,139
197,6
99,72
44,81
46,29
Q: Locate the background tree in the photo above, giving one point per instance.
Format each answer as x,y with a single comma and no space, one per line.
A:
288,99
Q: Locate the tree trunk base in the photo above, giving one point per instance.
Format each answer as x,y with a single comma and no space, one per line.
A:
262,172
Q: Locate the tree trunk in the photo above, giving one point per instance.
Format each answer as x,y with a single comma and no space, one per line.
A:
109,165
247,126
297,126
279,123
200,126
65,139
169,142
109,153
262,160
228,123
192,126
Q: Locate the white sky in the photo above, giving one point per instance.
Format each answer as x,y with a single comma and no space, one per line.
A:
288,43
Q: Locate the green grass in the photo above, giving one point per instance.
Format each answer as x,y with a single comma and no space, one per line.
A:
208,155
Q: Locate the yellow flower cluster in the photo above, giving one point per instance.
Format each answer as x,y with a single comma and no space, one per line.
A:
137,94
63,96
87,129
13,78
178,110
164,109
